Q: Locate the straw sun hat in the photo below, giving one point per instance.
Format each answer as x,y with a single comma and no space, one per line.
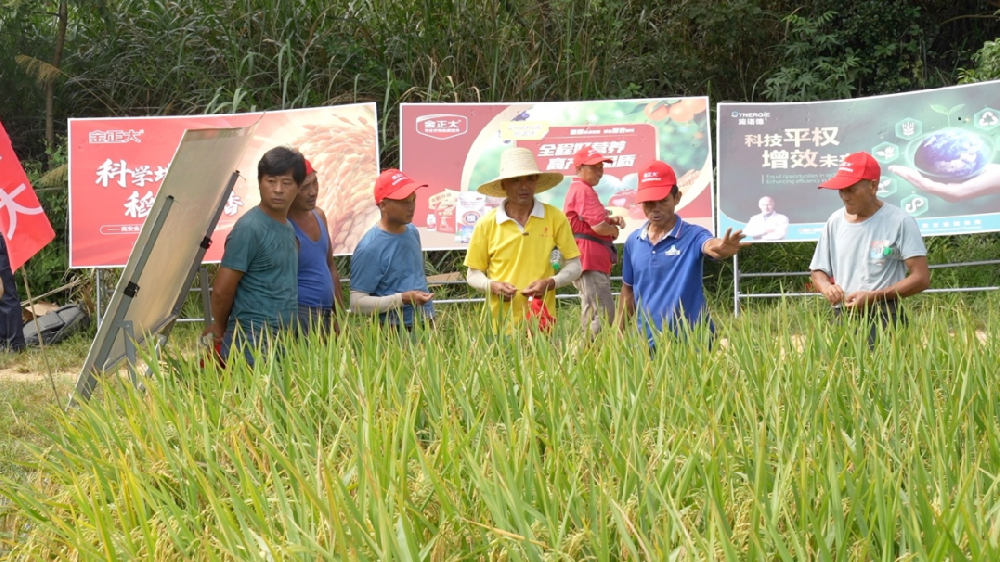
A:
515,163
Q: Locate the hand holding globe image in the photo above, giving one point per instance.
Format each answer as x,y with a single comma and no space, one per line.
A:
952,154
954,164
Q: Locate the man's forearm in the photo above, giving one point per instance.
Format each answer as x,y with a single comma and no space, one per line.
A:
338,292
754,229
820,280
369,304
716,249
605,229
571,271
908,287
626,305
781,230
477,279
222,307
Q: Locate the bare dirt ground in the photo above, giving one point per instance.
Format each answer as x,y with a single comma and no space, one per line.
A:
17,375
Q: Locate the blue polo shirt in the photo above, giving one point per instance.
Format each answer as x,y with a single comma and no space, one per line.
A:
666,278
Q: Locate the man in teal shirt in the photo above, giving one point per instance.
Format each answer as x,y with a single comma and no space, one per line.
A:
256,289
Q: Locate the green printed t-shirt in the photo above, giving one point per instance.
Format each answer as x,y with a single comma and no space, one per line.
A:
265,251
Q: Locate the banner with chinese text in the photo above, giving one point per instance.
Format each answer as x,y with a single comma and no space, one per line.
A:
455,148
23,223
117,165
936,149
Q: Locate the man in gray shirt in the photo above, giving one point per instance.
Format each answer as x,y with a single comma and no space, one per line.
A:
870,254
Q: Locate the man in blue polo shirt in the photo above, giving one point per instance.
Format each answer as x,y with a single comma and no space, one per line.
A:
662,261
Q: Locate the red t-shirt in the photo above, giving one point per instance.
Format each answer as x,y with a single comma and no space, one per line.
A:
584,210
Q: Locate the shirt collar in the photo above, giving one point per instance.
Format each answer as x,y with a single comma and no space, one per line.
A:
537,210
674,233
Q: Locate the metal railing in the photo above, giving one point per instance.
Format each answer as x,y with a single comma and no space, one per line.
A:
738,275
102,294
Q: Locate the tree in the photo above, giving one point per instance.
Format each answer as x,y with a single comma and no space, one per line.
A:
987,64
46,73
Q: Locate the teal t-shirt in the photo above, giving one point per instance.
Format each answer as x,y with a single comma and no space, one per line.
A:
265,251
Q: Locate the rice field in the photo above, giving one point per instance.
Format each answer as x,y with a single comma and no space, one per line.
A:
788,440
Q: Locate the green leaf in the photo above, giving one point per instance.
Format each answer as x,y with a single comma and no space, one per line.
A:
956,108
939,108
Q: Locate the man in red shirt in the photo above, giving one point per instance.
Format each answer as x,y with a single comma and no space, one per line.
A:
595,231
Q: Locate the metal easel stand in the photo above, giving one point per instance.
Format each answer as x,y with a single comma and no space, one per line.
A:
119,325
125,326
100,360
199,270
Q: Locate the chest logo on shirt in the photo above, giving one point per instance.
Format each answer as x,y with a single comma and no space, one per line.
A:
879,251
673,251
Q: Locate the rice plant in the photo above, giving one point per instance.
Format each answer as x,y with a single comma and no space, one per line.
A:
788,440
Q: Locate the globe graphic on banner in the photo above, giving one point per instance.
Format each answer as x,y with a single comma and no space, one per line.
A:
952,155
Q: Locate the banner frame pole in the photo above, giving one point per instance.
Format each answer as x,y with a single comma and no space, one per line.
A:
736,285
97,286
206,293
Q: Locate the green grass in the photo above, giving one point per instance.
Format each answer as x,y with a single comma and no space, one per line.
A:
468,447
66,356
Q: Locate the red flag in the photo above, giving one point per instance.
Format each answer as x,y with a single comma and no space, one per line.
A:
22,219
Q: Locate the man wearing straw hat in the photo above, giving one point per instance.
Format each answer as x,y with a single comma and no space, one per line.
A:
595,232
510,253
387,268
662,263
874,251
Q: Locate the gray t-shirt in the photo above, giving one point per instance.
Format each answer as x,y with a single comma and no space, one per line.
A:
869,255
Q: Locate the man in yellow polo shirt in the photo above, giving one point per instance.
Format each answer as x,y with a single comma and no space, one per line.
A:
510,253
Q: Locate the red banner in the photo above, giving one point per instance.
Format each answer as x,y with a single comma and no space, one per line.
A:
456,147
118,164
24,224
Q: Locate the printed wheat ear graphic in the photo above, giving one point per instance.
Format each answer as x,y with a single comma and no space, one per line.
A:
346,170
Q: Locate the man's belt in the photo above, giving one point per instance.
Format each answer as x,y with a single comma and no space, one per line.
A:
609,245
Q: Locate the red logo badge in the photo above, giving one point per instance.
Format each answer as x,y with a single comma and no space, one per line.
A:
442,126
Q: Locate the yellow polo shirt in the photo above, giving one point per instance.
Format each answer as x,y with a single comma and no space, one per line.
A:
507,252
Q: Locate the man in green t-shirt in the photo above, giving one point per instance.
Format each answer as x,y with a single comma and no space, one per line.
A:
256,289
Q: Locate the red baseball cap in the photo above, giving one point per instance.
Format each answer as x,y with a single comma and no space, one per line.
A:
395,185
309,167
587,156
856,167
656,181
